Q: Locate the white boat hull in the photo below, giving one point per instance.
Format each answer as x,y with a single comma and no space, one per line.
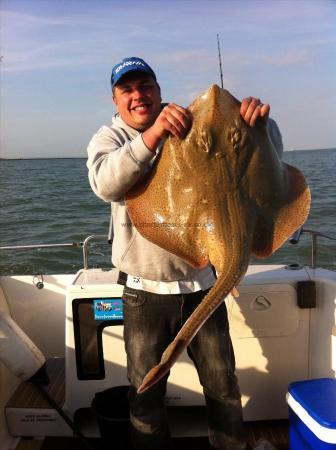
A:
275,341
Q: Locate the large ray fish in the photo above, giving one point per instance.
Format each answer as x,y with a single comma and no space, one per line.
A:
220,195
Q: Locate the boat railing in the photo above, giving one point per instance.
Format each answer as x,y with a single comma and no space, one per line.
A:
75,244
294,239
39,246
93,237
314,235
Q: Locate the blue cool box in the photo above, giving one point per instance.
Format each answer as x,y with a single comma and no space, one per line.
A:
312,414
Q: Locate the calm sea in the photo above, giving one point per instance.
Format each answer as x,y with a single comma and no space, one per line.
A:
49,201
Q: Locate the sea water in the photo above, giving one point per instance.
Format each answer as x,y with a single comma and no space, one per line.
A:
49,201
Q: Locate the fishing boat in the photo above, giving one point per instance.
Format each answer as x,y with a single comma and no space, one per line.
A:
283,328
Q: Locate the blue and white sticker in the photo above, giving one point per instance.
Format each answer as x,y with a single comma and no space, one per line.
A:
108,309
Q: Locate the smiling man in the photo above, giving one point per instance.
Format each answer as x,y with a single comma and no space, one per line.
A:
137,97
161,290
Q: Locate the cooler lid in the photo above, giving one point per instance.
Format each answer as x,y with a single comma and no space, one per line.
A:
318,398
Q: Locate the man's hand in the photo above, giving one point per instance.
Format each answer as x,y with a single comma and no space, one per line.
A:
251,108
173,119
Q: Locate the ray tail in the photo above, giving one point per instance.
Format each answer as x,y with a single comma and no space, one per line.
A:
223,286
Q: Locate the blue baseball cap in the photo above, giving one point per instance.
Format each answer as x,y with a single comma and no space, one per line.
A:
130,64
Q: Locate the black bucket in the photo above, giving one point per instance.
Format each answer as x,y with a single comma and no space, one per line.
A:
111,410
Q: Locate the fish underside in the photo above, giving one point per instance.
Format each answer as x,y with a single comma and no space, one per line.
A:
217,197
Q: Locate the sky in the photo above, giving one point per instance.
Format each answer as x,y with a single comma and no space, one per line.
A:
57,56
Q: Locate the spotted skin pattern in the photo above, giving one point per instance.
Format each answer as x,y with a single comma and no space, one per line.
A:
219,195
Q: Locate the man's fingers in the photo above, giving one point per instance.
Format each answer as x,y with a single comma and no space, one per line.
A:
255,114
252,108
181,114
174,125
265,110
261,110
244,105
174,128
178,120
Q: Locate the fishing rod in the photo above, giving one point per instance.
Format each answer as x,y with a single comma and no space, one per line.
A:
220,62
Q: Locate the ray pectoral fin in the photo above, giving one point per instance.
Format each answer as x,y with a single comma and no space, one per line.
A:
275,225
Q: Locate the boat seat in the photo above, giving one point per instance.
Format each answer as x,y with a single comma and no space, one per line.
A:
27,411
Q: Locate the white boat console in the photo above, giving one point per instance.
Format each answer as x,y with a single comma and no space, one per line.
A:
270,334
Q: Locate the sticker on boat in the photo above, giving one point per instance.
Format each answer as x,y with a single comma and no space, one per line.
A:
108,309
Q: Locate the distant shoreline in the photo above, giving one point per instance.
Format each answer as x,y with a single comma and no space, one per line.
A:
85,157
43,157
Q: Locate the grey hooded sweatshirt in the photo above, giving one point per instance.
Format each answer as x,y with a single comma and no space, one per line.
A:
117,159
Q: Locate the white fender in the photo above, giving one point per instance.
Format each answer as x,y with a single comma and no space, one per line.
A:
17,352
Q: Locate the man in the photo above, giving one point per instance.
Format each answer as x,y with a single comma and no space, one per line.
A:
161,290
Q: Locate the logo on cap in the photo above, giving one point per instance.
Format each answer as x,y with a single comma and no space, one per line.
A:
131,64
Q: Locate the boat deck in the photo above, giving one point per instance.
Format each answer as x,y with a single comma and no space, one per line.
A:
27,396
274,431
